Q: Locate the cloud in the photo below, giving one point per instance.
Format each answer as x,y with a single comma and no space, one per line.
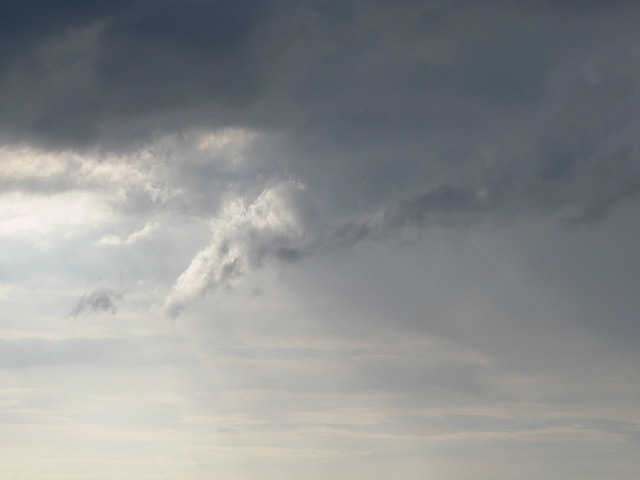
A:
189,144
418,115
282,225
127,71
276,225
362,101
143,232
136,236
125,60
102,299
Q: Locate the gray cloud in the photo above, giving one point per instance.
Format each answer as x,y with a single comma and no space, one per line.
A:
425,113
101,299
282,225
456,182
98,67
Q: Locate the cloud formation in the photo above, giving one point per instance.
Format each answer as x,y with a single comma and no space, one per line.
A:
277,224
282,225
101,299
134,237
369,105
284,130
457,183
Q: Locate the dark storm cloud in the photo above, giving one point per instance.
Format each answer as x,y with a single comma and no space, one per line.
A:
336,72
144,65
180,55
25,24
393,116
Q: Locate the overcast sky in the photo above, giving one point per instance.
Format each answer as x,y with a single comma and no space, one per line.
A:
313,239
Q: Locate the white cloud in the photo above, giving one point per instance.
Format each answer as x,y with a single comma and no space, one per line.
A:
143,232
110,239
275,225
228,147
22,162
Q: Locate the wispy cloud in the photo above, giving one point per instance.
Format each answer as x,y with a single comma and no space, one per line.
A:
145,231
275,225
101,299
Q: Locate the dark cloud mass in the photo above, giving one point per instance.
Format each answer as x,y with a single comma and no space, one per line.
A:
392,116
429,112
125,68
372,98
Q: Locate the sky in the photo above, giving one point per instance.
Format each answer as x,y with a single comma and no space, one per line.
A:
312,239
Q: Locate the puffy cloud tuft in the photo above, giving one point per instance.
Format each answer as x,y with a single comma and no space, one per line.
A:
276,225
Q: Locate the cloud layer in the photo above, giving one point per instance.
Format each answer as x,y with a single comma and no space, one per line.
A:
426,213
